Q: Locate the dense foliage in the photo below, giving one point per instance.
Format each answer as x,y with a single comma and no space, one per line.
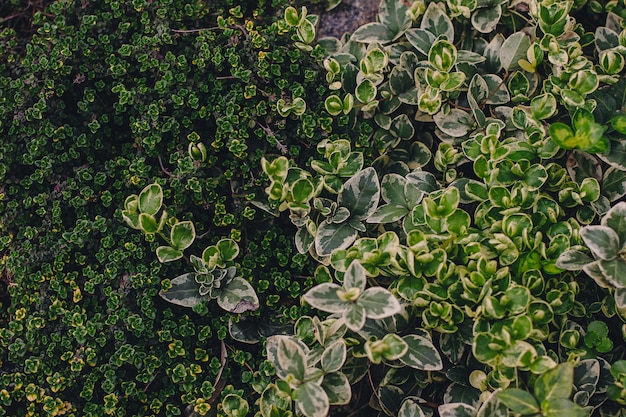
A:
205,209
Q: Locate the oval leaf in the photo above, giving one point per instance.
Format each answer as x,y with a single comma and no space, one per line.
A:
422,354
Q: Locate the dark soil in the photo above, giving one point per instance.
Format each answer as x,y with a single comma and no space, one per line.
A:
347,17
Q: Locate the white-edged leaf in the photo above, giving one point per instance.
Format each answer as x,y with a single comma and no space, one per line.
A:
373,32
355,276
304,240
334,356
290,358
615,218
614,184
272,345
456,123
456,410
388,213
393,14
378,303
513,49
493,407
573,260
602,240
151,199
238,296
360,194
410,408
614,271
168,254
332,236
324,297
184,291
437,22
421,40
422,354
354,317
182,235
337,387
312,400
486,19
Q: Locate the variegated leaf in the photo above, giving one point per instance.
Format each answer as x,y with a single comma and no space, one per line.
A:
378,303
360,194
312,400
291,358
324,297
355,276
422,354
332,236
238,296
184,291
337,387
334,356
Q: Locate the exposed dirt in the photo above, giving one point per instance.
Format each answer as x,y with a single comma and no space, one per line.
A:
347,17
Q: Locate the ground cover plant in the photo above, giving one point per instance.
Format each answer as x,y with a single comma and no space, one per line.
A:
209,210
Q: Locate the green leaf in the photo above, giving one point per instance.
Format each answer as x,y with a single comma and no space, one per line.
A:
378,303
238,296
366,91
543,106
151,199
422,354
292,16
235,406
602,240
290,359
324,297
513,49
519,401
304,240
442,55
395,348
563,407
228,249
168,254
333,105
334,356
312,400
148,223
555,384
306,33
360,194
337,387
184,291
182,235
277,169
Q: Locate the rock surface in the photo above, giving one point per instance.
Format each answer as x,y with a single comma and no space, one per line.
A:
347,17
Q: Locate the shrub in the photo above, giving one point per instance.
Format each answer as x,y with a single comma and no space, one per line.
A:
500,143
